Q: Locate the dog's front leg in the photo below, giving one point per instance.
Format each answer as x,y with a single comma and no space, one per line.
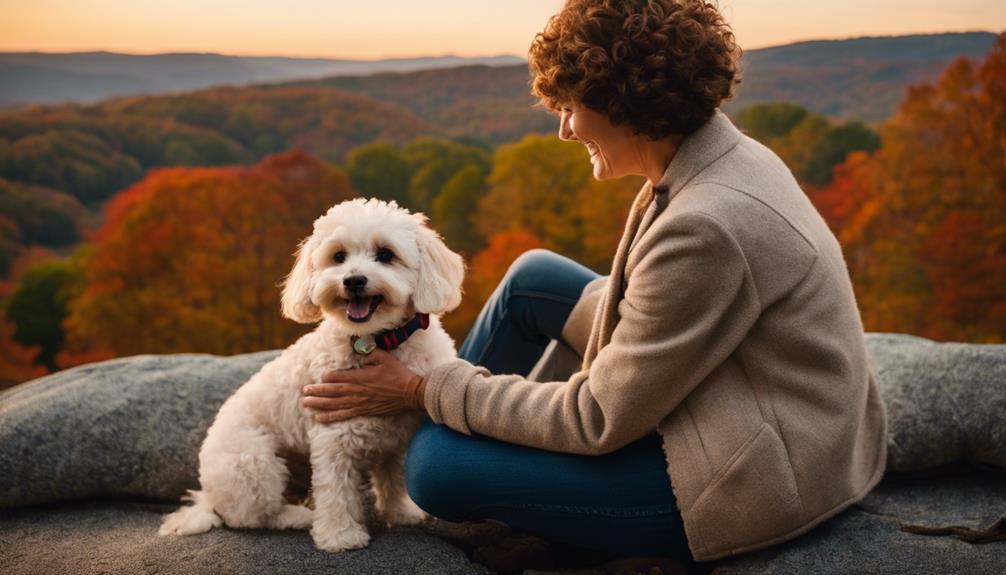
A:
393,501
338,487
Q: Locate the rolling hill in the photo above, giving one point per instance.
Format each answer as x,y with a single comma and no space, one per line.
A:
861,78
35,77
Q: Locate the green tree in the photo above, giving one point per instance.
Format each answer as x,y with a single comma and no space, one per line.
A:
434,163
834,147
798,148
765,122
534,185
17,362
180,153
380,170
72,161
10,243
545,186
810,144
38,306
42,216
454,209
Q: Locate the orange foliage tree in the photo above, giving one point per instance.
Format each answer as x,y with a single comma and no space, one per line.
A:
17,362
189,259
485,270
923,221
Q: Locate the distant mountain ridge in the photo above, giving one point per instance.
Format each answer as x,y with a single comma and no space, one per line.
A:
862,78
858,78
86,77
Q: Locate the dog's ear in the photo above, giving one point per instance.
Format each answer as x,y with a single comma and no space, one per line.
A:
441,273
297,304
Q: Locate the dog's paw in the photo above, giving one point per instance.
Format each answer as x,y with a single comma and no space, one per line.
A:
338,540
189,521
404,512
293,517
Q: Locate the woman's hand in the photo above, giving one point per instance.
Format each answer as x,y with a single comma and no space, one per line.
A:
383,386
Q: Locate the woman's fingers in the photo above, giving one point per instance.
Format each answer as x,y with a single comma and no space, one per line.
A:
339,410
323,390
375,389
342,402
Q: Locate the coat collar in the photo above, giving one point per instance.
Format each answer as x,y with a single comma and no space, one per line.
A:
698,150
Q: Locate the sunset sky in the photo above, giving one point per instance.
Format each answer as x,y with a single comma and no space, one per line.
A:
392,28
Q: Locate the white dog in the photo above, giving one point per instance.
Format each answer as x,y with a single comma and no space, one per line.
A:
369,268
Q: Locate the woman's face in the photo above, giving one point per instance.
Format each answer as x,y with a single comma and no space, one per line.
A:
611,151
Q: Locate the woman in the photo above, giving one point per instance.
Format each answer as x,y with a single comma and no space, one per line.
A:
724,402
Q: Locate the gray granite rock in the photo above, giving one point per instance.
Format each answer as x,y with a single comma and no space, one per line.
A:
125,427
945,401
120,538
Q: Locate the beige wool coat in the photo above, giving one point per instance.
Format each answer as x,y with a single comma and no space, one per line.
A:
728,325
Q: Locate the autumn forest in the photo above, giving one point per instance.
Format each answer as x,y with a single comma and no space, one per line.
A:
163,224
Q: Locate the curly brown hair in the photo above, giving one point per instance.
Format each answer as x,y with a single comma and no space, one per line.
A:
661,66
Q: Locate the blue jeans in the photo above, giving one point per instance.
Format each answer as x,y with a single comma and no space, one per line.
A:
619,503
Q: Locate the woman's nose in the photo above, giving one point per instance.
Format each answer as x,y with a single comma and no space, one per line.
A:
565,133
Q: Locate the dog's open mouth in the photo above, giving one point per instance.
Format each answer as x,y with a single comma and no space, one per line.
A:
360,308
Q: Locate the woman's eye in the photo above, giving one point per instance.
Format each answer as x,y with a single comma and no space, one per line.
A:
384,255
339,257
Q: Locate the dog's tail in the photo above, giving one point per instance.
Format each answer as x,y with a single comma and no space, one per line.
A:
196,518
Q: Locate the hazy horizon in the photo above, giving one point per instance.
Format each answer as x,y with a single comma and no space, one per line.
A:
385,29
454,55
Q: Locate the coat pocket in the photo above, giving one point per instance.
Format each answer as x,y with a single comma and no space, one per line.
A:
754,499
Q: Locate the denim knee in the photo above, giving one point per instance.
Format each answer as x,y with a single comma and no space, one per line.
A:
435,473
530,267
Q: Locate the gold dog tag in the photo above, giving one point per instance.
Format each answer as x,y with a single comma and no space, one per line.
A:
364,345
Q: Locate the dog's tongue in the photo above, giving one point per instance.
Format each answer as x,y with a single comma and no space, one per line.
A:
358,307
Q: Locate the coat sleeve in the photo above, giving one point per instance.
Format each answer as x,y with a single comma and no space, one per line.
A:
687,305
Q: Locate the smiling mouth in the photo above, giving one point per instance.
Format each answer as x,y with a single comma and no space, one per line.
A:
359,309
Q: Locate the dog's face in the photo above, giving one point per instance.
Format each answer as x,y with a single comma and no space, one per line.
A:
370,265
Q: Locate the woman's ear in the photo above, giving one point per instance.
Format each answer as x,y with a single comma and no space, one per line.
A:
296,300
441,273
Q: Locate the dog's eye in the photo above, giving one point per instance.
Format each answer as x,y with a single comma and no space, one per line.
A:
384,255
339,257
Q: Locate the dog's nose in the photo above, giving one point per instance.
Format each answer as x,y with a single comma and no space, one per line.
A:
355,283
